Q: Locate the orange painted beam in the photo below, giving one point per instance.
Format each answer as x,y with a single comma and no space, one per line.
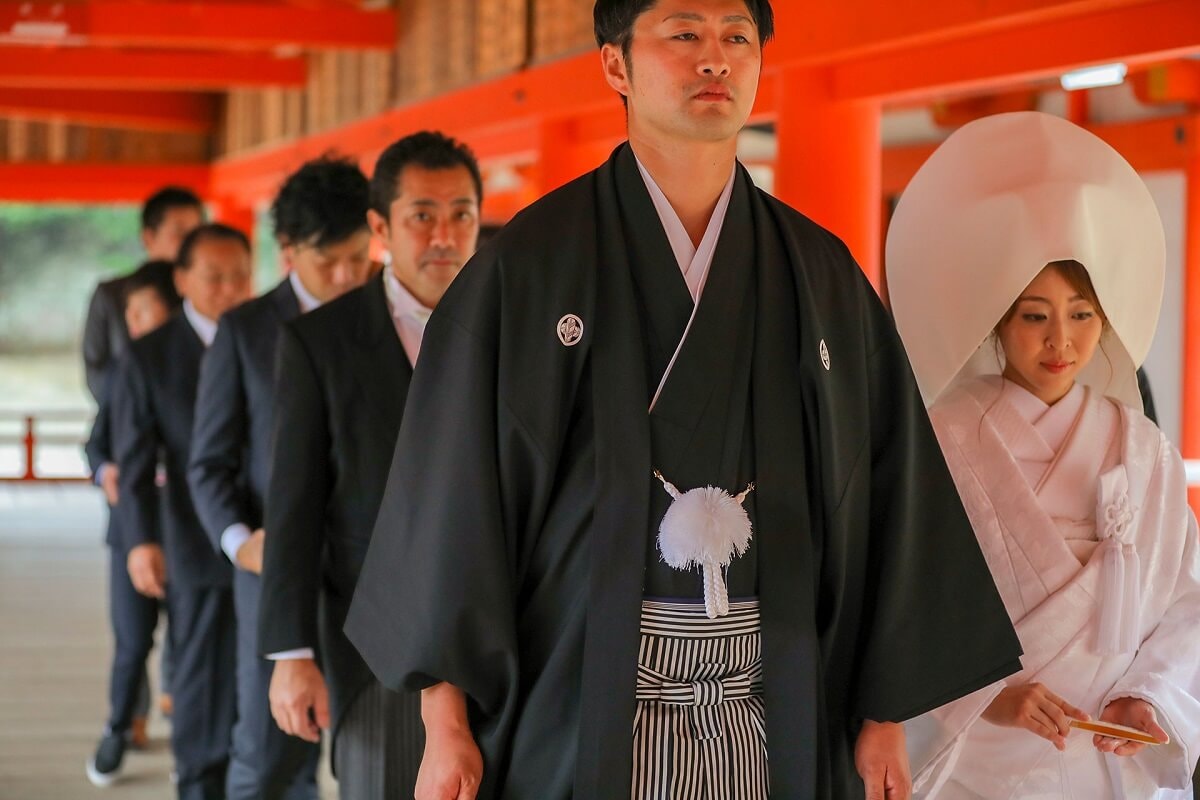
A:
203,25
1151,145
501,119
956,113
1154,145
1144,33
818,31
156,111
100,68
1173,82
96,183
498,118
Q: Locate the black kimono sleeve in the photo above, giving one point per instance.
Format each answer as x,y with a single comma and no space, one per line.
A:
435,601
936,628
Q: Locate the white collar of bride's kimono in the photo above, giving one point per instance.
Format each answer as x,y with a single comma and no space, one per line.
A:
965,416
1049,425
1001,198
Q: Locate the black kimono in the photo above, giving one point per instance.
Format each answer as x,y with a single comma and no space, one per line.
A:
514,545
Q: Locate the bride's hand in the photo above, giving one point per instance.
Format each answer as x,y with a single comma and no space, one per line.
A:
1035,708
1132,713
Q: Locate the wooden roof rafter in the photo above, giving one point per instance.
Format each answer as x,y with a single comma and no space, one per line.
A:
1137,34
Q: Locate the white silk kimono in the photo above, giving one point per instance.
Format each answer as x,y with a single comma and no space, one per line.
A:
1081,513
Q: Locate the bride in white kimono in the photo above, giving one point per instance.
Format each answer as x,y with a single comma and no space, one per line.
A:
1025,266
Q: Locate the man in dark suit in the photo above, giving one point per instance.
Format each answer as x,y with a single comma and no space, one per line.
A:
169,553
150,299
342,381
167,217
320,223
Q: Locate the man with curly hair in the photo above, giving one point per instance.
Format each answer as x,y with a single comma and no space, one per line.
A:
320,222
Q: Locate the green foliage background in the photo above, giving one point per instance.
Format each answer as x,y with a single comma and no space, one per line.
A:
51,257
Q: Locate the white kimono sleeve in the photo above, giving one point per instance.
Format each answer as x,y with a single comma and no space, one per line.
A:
1166,670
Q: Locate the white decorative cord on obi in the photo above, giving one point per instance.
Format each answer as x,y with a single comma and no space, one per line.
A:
705,527
1121,579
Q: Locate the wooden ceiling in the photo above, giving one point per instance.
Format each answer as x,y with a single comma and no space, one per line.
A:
162,65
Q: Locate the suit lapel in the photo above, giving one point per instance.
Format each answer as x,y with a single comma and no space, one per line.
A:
192,349
381,365
284,301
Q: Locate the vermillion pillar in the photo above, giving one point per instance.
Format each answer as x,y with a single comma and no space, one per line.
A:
1191,320
829,165
557,162
235,214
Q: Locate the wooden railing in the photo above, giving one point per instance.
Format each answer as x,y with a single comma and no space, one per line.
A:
27,438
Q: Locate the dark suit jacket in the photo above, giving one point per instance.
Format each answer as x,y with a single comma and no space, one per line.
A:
105,337
231,441
152,406
98,448
342,381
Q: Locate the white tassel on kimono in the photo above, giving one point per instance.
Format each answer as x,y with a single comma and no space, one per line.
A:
705,527
1121,568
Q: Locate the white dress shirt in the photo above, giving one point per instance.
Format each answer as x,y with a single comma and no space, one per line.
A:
408,315
204,327
304,297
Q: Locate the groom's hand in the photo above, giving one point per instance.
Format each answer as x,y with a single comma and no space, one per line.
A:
882,761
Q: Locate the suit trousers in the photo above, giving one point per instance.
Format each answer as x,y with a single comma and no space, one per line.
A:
378,747
204,632
133,617
266,763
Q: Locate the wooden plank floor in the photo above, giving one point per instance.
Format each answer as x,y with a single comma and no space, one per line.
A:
55,649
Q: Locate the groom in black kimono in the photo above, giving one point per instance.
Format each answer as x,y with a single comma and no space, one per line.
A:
515,575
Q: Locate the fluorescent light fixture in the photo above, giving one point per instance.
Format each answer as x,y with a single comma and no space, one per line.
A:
1094,77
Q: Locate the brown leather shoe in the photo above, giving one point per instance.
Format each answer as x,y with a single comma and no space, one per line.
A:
139,738
165,704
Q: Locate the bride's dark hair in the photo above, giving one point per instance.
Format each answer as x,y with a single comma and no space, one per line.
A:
1073,273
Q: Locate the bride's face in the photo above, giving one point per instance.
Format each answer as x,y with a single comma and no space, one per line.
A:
1052,335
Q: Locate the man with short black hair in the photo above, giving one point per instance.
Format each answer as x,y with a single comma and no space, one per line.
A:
320,223
666,516
168,216
169,555
341,386
149,302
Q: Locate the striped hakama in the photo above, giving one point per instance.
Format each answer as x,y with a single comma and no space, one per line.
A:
379,745
698,733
